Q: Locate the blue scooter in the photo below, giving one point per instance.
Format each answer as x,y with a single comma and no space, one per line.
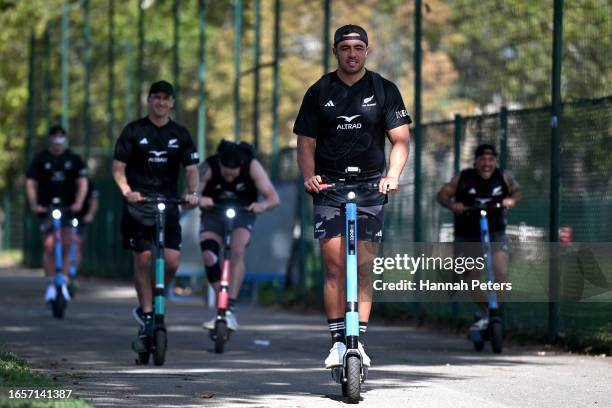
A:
494,331
72,257
59,304
352,373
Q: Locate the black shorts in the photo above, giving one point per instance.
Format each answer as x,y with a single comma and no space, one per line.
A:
330,222
46,224
214,221
82,227
139,238
499,242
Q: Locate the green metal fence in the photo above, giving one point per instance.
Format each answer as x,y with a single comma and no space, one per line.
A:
476,57
586,205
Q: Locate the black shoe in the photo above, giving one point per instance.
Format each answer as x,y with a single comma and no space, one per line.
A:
145,332
138,315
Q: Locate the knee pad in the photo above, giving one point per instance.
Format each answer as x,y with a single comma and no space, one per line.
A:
213,273
210,245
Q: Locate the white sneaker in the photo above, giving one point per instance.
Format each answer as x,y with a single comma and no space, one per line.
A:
480,325
230,318
210,325
66,292
232,323
50,293
336,355
365,359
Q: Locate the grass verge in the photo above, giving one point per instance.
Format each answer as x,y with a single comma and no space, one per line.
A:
15,374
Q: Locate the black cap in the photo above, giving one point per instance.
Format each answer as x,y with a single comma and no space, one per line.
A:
485,149
230,154
341,33
55,129
162,86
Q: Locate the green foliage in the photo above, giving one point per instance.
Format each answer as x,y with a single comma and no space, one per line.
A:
476,55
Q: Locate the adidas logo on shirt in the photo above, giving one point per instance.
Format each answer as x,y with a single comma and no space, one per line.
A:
329,103
379,234
143,141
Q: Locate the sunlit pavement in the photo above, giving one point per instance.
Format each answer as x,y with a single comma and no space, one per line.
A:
89,352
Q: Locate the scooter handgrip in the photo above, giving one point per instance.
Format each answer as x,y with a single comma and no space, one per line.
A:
322,187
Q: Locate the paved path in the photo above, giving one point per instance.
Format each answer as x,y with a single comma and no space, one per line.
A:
89,352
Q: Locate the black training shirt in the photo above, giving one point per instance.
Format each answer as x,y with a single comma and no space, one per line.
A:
473,189
56,176
153,155
349,124
242,190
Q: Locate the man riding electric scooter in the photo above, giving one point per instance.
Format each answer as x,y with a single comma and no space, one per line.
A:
343,123
148,156
56,173
489,188
233,178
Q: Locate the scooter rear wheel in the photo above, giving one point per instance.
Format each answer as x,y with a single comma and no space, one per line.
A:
353,379
160,343
143,358
497,334
72,290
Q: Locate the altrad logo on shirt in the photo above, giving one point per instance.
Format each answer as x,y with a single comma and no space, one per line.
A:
158,156
348,124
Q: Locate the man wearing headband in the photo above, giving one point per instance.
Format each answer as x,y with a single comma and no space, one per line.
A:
487,183
233,177
343,122
148,156
56,172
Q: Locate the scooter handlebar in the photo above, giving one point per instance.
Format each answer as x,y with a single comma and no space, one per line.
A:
488,206
164,200
343,186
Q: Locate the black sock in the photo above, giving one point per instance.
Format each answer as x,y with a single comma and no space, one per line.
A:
231,304
336,328
363,327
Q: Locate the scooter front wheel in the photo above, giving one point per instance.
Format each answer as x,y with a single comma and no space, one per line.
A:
160,339
59,304
353,379
220,335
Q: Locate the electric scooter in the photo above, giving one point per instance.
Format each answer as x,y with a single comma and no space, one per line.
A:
157,344
62,295
72,256
352,373
221,334
494,330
